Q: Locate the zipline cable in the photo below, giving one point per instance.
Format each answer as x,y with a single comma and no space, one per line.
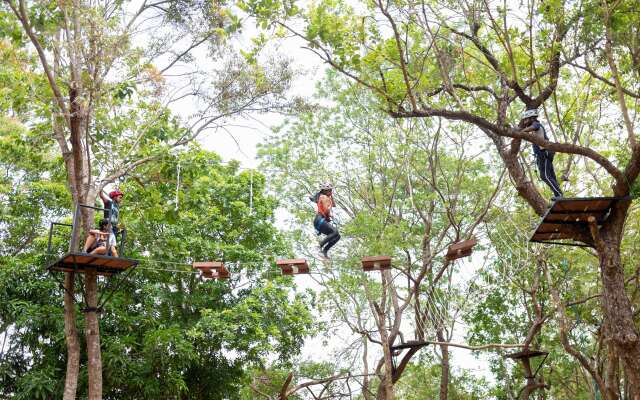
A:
178,186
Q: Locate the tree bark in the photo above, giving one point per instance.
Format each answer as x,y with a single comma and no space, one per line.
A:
620,327
385,391
611,376
366,393
92,335
386,386
618,312
71,336
444,364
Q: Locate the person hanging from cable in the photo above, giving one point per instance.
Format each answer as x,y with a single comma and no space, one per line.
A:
112,203
544,158
101,241
322,221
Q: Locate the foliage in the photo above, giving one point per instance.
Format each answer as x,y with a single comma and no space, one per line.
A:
388,204
166,332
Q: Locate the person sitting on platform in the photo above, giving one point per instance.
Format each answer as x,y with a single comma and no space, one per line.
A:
325,202
101,241
544,158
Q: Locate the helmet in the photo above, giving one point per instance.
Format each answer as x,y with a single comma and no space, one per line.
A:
529,113
326,186
115,193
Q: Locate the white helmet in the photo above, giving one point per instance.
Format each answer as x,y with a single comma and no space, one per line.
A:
326,186
529,113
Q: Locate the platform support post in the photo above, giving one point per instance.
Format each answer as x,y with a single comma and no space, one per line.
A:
73,243
123,238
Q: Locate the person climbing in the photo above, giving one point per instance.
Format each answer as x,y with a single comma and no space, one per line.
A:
544,158
101,241
112,203
324,201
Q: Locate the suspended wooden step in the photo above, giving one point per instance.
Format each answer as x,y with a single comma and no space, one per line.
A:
567,221
212,269
526,353
461,249
525,356
293,266
82,262
410,344
376,263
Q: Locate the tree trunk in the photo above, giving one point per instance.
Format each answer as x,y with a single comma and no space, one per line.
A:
533,383
385,391
365,379
92,322
386,386
619,325
71,336
611,369
444,364
92,335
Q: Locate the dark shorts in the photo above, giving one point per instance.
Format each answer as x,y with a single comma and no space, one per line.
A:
97,244
322,225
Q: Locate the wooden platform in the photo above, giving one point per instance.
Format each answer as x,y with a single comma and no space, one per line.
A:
293,266
461,249
409,344
526,354
212,269
81,262
566,222
376,263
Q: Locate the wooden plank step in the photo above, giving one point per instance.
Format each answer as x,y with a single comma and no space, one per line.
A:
82,262
376,263
293,266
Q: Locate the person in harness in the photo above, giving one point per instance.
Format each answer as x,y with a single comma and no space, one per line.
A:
321,222
544,158
112,203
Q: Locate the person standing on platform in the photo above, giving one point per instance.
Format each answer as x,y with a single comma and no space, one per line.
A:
544,158
112,203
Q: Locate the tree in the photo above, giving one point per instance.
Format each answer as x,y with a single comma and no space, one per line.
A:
167,333
104,101
389,205
481,64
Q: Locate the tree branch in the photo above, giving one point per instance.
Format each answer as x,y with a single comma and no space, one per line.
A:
26,24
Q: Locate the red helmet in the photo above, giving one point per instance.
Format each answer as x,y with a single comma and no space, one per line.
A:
115,194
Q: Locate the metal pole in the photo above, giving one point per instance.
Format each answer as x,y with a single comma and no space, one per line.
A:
123,240
50,238
48,255
74,230
251,192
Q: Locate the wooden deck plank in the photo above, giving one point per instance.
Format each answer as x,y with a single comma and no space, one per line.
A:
293,266
81,262
461,249
526,354
376,263
567,219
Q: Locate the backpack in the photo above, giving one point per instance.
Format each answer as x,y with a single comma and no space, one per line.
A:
315,198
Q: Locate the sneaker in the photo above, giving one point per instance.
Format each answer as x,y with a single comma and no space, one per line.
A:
325,254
